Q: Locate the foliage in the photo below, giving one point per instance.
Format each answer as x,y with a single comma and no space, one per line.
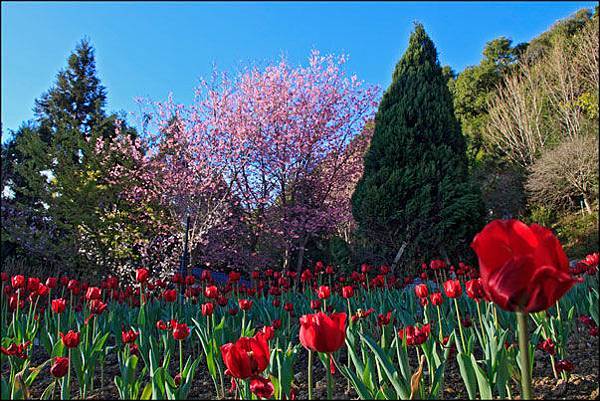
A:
61,197
415,186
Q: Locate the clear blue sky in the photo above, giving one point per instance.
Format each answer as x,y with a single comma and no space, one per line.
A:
152,49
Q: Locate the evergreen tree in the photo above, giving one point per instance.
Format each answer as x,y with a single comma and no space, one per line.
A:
61,198
77,100
415,186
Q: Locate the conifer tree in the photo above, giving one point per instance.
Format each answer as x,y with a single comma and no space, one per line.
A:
415,187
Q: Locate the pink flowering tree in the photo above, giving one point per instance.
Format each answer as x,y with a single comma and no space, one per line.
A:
295,127
262,163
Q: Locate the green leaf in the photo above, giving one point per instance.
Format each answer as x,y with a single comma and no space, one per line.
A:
485,390
467,374
402,390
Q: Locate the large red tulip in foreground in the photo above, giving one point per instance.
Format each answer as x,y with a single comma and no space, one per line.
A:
523,268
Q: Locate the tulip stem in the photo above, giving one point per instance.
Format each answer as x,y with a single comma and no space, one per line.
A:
180,357
440,323
329,379
526,392
310,362
462,338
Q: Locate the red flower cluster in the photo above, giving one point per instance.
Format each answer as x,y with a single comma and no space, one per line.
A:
415,335
17,350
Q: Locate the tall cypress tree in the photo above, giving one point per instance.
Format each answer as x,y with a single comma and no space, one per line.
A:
415,187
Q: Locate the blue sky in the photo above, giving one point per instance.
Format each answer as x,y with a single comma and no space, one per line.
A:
152,49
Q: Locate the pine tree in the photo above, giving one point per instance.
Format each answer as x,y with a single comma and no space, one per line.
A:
415,187
77,100
59,183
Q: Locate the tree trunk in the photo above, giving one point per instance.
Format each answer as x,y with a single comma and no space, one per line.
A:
301,254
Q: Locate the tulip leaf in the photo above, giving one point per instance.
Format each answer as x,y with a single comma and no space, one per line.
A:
485,391
467,373
397,382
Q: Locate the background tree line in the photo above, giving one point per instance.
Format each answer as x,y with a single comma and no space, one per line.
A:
514,136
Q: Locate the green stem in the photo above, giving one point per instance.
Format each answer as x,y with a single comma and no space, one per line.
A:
180,357
526,393
440,323
310,362
329,380
462,338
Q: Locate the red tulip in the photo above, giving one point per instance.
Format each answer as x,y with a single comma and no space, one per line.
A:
523,268
211,291
329,270
206,275
591,261
177,278
71,339
324,292
276,302
415,335
547,346
452,288
207,309
288,307
347,291
190,280
268,331
18,281
32,284
73,286
93,293
474,289
315,304
306,276
161,325
421,290
42,290
245,304
436,298
180,331
322,333
170,295
384,320
51,282
141,275
17,350
234,276
97,307
4,276
59,367
129,336
564,365
261,387
59,305
247,357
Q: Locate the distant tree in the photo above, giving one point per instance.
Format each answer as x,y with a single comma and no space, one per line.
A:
567,175
475,85
77,100
61,193
415,187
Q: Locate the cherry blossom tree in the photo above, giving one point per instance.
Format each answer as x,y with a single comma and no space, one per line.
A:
262,163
